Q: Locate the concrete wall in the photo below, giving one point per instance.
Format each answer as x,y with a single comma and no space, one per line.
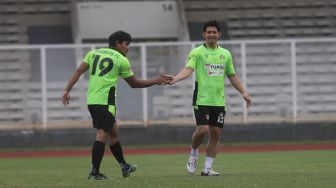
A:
168,135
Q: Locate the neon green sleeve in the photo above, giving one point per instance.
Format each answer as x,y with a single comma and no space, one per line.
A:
230,68
88,57
125,69
192,60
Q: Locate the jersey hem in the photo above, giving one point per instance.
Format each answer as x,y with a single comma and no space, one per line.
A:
210,105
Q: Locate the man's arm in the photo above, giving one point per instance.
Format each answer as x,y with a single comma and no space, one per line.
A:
72,81
135,83
237,84
183,74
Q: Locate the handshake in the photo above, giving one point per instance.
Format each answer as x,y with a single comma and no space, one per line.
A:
165,79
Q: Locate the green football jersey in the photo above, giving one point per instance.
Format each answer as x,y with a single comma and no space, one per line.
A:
211,66
106,66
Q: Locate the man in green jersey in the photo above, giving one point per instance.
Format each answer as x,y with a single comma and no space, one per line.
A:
211,64
105,66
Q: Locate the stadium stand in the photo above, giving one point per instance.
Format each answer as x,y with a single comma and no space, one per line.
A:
55,108
15,70
244,18
316,77
268,65
176,102
250,19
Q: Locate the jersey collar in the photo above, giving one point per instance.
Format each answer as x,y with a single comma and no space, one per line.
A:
209,48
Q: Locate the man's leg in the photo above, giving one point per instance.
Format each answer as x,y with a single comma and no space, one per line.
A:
98,149
117,152
211,151
198,135
196,141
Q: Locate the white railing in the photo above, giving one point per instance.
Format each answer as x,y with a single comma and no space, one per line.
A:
290,80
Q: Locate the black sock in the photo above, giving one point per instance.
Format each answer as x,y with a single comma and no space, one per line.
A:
118,153
98,149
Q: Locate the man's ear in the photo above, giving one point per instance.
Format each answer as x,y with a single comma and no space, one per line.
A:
118,42
114,45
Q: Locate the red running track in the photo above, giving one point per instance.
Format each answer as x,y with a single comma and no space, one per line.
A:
143,151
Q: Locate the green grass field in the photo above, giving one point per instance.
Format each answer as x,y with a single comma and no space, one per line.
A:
299,169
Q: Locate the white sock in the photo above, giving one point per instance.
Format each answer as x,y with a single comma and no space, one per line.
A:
194,152
208,162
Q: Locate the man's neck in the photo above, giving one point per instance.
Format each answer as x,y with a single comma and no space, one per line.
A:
211,45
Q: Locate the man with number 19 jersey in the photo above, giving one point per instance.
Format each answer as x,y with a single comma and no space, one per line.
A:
106,65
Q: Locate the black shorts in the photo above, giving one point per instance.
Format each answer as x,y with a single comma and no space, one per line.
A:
102,118
210,115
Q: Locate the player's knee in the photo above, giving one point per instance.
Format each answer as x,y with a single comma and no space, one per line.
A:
114,140
215,133
101,136
202,130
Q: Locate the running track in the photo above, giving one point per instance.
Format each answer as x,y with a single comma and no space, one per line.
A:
129,151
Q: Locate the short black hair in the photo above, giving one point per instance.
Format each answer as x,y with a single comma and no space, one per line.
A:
118,36
212,23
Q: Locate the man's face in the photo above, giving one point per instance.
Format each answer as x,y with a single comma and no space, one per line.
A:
211,35
123,47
